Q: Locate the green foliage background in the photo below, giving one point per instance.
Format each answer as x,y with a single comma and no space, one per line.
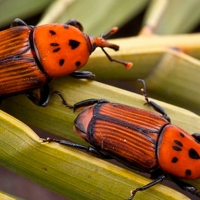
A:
168,60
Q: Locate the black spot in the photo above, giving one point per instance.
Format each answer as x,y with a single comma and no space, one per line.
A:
54,44
176,148
174,159
52,32
74,44
193,154
61,62
65,26
182,135
178,143
78,63
57,49
188,172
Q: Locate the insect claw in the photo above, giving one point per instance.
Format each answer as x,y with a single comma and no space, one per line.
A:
64,102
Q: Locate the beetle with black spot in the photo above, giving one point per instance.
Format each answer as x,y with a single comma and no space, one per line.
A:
31,56
142,140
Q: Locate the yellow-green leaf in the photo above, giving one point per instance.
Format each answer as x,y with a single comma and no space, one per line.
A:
9,9
65,170
5,196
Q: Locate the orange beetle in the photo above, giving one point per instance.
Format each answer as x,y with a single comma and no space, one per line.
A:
30,56
140,139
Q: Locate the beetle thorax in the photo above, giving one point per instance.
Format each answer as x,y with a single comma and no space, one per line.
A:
61,49
179,153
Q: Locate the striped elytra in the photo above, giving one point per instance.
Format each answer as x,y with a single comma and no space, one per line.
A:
128,132
140,138
19,71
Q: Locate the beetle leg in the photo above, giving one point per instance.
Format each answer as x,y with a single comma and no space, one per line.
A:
1,99
64,102
18,22
186,186
156,181
83,74
89,102
75,23
89,149
154,105
81,104
43,98
196,136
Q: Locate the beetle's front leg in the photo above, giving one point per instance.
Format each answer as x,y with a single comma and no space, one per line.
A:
18,22
83,74
196,136
43,98
186,186
1,99
154,105
87,102
89,149
75,23
156,181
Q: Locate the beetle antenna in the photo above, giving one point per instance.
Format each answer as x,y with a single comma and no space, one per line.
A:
102,43
127,65
154,105
115,47
109,33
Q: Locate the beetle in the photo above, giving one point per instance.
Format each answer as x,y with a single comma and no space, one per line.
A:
31,56
140,139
